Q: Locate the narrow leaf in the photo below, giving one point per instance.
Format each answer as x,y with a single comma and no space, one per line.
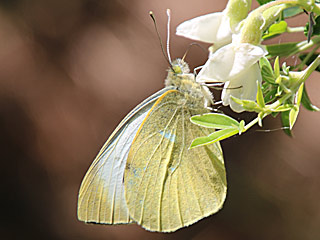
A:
291,12
278,80
266,70
214,137
285,123
262,2
283,108
299,95
310,60
276,67
293,116
260,99
279,91
274,114
284,49
241,126
285,69
305,100
247,104
260,119
270,95
214,120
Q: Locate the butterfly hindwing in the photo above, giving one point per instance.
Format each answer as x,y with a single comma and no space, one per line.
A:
101,195
168,185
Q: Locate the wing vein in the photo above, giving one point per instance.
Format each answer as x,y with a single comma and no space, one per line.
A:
148,162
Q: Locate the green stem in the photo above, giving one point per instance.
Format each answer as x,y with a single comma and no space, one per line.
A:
312,43
262,17
251,124
302,78
279,102
313,7
306,59
274,105
307,72
295,29
313,66
305,45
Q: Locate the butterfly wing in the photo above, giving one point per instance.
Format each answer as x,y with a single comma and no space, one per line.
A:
101,195
167,185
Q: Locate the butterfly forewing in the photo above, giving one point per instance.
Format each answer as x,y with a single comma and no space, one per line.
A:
168,185
101,195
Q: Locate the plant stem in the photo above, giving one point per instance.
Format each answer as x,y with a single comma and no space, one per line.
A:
251,124
307,72
306,59
262,17
295,29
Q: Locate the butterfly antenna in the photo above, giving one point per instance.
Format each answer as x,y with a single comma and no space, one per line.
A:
160,40
168,34
190,45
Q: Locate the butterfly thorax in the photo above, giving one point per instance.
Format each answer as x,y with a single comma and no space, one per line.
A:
179,76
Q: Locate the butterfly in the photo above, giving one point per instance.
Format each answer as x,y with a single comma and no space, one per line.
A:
146,173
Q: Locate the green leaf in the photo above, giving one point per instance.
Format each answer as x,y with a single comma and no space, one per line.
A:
260,99
215,120
214,137
299,94
316,27
284,49
247,104
278,80
262,2
276,29
266,70
291,12
285,123
305,100
276,67
241,127
283,108
279,91
270,95
274,114
265,86
293,116
285,68
260,119
310,60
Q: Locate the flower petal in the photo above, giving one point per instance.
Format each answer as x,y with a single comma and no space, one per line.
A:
244,86
246,55
210,28
218,66
230,61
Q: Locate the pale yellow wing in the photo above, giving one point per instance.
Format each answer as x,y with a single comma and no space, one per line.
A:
168,186
101,195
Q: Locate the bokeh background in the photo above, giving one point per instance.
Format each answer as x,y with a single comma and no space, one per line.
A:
71,70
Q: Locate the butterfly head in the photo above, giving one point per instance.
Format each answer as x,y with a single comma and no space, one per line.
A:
178,66
179,76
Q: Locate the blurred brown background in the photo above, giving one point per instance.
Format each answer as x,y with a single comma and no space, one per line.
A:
71,70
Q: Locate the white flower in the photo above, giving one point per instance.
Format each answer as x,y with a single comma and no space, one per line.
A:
211,28
216,28
236,64
242,87
232,60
